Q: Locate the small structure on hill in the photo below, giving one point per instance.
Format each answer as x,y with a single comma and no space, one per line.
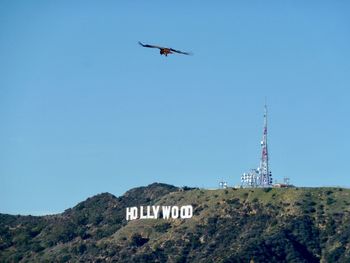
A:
223,184
286,183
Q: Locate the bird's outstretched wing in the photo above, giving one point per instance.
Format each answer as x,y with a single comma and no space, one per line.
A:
181,52
151,46
166,49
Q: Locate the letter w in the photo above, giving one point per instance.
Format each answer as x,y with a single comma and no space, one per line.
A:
166,211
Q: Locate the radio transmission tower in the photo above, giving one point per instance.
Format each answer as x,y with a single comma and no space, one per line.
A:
260,177
264,172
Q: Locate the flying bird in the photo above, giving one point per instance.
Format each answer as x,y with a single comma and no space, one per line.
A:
166,50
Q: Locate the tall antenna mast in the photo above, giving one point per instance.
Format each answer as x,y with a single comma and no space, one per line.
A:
264,172
260,177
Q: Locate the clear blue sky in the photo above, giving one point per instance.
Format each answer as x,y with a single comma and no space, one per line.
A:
84,109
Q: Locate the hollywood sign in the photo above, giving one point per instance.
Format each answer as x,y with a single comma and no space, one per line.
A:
153,212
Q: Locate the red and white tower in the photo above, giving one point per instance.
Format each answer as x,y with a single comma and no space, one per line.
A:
265,176
260,177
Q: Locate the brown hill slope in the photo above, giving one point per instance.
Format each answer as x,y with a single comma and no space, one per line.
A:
232,225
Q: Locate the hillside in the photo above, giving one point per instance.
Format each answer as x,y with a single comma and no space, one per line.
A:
230,225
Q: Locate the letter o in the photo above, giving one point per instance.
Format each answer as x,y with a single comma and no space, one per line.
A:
174,212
